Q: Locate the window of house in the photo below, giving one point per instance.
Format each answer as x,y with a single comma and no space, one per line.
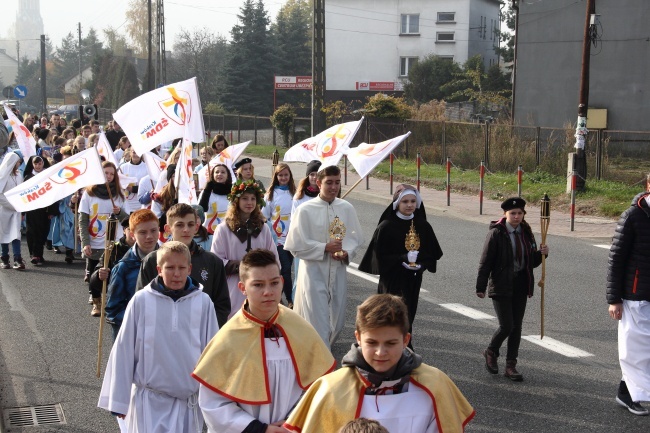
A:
446,17
410,24
405,65
445,37
450,58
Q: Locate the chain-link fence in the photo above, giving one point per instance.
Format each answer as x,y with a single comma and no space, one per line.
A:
612,155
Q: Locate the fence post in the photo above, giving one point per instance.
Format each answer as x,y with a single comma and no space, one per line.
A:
448,180
538,148
345,170
238,129
368,182
486,158
599,154
444,140
574,178
417,175
391,173
274,142
480,188
223,124
255,127
520,172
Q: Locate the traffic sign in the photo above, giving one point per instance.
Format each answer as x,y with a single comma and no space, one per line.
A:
8,92
20,91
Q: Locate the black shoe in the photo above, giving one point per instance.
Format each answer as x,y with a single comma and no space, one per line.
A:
48,245
491,361
633,406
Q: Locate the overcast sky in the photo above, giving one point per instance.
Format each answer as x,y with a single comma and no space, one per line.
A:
61,16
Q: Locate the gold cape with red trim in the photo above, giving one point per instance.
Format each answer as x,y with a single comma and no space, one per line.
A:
336,399
234,362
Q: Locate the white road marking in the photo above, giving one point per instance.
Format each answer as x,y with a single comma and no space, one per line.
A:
605,246
547,342
557,346
467,311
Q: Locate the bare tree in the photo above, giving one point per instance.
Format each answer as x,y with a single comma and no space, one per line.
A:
137,25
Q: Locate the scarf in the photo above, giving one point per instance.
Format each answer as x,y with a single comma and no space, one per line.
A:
213,188
100,191
311,191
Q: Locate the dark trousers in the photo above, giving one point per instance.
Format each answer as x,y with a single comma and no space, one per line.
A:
286,260
510,311
90,267
38,227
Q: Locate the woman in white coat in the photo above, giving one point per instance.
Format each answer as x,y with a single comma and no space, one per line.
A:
10,220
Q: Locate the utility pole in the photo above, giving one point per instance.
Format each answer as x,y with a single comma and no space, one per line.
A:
515,7
580,159
80,79
18,54
318,67
43,87
149,62
161,43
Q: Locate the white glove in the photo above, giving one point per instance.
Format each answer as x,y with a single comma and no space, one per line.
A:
412,256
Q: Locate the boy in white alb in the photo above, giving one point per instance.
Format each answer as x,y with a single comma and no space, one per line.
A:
381,379
165,328
256,368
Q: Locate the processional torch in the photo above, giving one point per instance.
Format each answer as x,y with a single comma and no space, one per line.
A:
111,231
545,219
276,158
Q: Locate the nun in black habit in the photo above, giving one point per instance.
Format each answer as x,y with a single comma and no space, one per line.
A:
400,271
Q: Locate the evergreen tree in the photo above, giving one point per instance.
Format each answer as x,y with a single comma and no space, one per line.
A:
248,84
29,75
427,78
292,35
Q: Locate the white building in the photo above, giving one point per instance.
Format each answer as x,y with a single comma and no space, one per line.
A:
370,44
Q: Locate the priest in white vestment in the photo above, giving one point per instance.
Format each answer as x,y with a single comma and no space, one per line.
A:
321,289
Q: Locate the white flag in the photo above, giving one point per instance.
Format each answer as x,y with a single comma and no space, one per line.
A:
104,149
328,147
183,178
24,138
162,115
228,156
366,156
58,181
155,165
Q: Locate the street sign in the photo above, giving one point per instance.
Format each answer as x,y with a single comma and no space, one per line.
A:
20,91
8,92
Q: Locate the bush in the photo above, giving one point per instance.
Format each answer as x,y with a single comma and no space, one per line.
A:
384,106
214,108
282,119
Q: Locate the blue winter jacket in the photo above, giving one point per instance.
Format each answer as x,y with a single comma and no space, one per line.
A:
121,287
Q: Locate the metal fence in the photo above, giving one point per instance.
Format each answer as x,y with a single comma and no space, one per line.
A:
611,155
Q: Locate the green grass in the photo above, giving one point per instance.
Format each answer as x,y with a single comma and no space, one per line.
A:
600,197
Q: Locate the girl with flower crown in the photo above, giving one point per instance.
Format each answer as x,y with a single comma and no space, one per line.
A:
242,229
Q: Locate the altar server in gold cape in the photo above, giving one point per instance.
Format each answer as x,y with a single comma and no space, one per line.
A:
382,379
255,369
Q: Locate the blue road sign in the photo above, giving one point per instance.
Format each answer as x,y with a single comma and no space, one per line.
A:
20,91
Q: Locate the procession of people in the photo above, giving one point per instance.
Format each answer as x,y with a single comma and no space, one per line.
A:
239,336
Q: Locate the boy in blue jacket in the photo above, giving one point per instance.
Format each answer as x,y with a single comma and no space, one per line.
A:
143,226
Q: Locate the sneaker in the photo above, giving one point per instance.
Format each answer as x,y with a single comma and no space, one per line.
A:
48,245
34,260
19,264
491,361
69,259
5,265
633,406
90,300
39,261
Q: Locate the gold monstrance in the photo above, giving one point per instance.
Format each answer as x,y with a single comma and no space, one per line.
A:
337,231
412,242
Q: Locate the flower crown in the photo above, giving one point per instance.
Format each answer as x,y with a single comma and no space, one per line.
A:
251,186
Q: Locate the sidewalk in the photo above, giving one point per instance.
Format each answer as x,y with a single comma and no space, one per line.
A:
465,207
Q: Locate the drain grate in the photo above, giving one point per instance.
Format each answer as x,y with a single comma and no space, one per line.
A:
34,416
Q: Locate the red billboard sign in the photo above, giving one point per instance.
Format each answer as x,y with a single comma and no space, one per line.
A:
376,86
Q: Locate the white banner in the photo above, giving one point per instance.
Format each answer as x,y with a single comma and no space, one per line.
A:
162,115
328,147
155,165
58,181
365,157
104,149
184,179
228,156
24,138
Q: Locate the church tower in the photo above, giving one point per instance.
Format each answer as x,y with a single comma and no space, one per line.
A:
29,25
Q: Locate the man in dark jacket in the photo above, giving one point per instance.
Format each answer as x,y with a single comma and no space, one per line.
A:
628,296
207,268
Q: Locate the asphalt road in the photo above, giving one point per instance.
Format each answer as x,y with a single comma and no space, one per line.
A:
48,341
